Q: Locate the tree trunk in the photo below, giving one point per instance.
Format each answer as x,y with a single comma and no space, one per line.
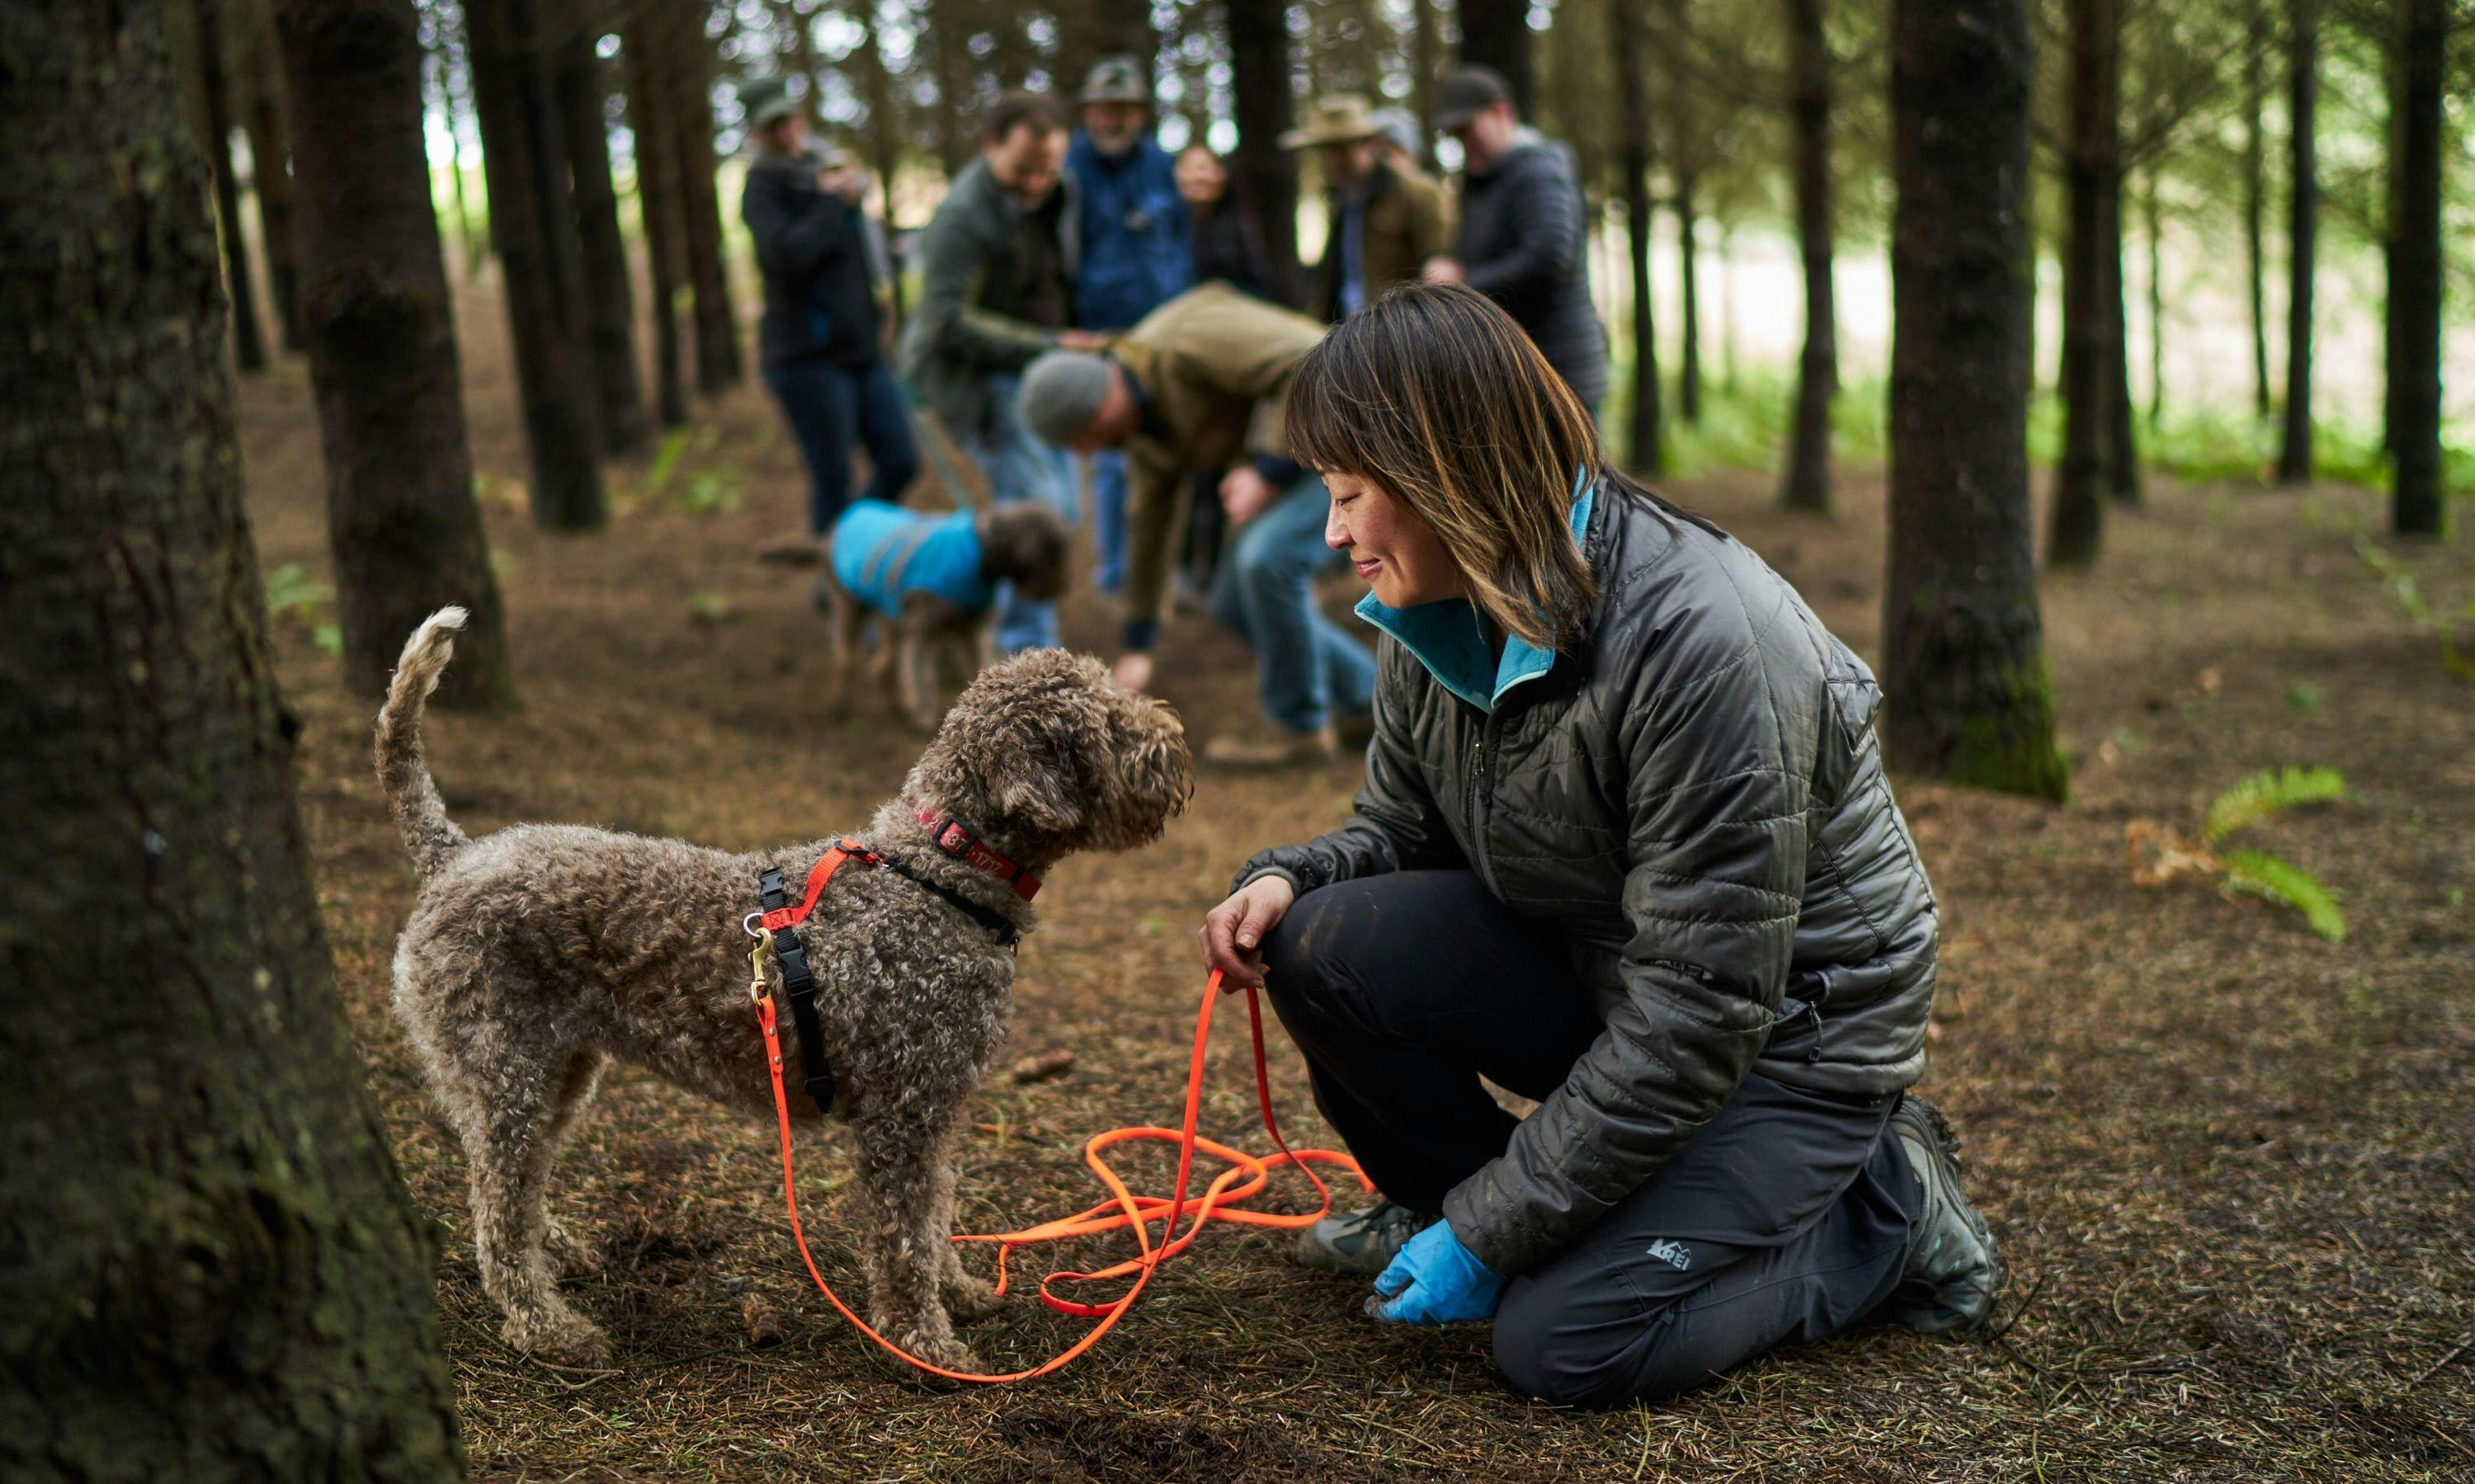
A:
2122,444
2255,201
1728,360
1967,696
1495,33
270,157
209,1265
1265,176
1688,389
534,225
689,61
249,346
2303,218
2089,360
2416,271
381,331
1645,442
650,108
452,106
1422,77
2156,303
800,56
885,148
1807,485
609,296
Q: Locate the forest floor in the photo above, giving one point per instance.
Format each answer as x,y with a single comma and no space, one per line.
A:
2231,1165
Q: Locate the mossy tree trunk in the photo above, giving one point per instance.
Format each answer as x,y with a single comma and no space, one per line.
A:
533,226
381,328
208,1265
2256,199
1807,482
1963,655
2416,269
2302,231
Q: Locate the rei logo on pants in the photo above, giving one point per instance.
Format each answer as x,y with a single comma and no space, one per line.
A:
1676,1254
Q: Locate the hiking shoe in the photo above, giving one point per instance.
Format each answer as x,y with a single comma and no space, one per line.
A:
1274,747
1362,1242
1953,1274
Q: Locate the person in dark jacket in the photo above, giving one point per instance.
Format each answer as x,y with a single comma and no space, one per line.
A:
1138,254
1227,246
818,339
1523,232
1625,846
996,288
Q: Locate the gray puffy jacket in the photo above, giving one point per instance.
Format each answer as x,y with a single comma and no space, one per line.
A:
1692,793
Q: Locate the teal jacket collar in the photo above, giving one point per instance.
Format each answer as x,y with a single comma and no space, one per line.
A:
1448,638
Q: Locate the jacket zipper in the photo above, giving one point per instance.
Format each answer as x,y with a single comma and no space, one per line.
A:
1481,794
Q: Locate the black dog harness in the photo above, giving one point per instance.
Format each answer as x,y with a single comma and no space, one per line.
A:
781,919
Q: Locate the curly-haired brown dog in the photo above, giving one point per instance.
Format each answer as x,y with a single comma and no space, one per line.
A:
536,954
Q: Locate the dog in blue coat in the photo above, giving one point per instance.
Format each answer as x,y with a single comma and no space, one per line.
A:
929,581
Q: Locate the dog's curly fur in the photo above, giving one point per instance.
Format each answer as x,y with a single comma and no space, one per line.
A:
537,955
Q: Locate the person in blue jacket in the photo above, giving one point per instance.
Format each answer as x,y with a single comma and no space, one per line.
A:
1138,252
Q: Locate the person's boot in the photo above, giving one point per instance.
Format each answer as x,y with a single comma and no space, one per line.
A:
1363,1242
1274,747
1953,1274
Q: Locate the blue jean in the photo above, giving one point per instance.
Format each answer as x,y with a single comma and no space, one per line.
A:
1020,467
1308,665
829,407
1109,519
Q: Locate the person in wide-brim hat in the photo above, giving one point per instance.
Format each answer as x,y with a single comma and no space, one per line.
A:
1342,119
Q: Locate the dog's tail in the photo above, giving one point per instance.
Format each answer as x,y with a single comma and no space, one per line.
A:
403,775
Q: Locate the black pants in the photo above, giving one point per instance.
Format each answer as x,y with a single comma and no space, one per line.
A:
1785,1217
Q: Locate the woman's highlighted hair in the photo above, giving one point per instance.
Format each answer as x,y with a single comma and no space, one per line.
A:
1437,396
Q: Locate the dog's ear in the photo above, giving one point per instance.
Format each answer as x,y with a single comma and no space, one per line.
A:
1031,781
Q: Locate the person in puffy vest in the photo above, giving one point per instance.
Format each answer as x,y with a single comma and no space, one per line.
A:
1625,846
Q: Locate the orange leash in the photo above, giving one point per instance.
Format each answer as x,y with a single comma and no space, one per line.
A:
1246,1175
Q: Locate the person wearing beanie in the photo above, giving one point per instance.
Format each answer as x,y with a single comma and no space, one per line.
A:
819,340
1198,384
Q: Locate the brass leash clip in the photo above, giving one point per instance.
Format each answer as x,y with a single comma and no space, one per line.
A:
759,985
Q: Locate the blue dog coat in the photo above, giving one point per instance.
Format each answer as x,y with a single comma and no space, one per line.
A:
883,554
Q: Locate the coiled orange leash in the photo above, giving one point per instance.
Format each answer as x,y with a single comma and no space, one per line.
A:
1248,1174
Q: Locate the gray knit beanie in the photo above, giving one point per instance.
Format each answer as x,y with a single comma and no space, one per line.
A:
1062,392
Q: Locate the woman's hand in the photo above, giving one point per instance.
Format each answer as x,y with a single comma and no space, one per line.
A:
1133,670
1233,932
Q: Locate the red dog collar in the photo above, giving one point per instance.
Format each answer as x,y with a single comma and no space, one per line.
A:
959,840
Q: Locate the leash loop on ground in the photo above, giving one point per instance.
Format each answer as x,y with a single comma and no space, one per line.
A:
1248,1174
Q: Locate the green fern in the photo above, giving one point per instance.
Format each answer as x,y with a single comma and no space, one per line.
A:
2270,792
2267,876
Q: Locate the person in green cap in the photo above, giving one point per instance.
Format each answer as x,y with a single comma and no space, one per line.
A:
820,339
1198,385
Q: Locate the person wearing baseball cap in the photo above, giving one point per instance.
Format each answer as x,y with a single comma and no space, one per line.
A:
818,339
1522,228
1198,385
1137,253
1384,223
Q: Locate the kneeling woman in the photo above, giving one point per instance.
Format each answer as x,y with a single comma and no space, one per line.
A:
1625,846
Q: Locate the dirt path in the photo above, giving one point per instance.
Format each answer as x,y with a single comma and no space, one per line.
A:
2232,1164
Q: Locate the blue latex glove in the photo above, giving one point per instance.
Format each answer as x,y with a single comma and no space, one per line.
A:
1435,1281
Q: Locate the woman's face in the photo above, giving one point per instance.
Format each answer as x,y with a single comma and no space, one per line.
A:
1200,177
1394,549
